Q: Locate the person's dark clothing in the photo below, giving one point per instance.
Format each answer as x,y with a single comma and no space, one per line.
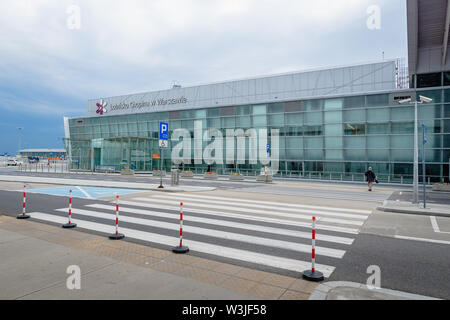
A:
370,176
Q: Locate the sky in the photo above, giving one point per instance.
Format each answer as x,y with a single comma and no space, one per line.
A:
57,54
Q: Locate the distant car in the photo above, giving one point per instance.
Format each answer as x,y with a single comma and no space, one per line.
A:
12,162
33,159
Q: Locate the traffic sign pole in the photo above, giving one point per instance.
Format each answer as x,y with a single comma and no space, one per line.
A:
163,143
160,169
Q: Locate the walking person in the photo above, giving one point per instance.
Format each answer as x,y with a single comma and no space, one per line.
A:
370,178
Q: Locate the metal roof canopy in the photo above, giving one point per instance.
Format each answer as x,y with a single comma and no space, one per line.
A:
362,78
43,150
428,35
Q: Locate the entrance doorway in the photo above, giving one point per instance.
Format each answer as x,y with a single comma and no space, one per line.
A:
97,156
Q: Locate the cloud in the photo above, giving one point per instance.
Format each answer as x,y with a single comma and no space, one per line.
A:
141,45
48,70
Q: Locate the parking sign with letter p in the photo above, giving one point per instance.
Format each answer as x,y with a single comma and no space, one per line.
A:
163,131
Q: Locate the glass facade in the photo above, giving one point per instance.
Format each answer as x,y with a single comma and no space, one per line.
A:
334,138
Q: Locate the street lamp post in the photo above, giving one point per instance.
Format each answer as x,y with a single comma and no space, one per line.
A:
416,157
416,144
20,139
424,128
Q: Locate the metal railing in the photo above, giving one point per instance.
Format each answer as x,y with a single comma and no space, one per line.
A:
325,176
64,167
45,167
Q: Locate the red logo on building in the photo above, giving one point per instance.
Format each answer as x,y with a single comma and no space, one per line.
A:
101,107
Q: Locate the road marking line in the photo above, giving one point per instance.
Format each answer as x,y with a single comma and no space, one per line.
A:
368,212
288,222
267,242
84,192
262,212
278,208
231,224
436,226
422,239
231,253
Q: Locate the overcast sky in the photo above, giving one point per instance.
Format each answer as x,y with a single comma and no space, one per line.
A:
57,54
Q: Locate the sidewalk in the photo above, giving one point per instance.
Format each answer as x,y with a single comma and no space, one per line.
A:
409,208
247,179
341,290
35,258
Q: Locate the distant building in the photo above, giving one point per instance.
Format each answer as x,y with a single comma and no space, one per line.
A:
51,154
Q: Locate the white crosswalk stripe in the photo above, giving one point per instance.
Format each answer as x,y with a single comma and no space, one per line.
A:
264,206
238,229
261,212
214,233
287,221
277,204
225,223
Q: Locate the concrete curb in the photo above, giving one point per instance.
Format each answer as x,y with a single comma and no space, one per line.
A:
416,212
322,291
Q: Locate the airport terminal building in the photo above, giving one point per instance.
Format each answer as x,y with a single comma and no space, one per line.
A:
43,154
325,123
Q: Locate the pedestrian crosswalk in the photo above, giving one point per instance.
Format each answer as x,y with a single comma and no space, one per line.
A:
267,233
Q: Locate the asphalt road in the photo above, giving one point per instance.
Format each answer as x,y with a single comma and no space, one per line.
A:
409,266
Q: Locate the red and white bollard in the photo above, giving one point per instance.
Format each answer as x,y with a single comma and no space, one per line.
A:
313,274
23,215
70,224
181,248
117,235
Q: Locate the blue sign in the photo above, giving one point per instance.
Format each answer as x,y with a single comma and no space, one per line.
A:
163,131
268,148
425,140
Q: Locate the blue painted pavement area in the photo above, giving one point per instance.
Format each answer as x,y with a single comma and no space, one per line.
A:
84,192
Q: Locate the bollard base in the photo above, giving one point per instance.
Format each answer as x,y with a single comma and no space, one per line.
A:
69,225
315,276
23,216
116,236
179,249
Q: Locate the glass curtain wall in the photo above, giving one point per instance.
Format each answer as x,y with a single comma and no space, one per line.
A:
323,138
